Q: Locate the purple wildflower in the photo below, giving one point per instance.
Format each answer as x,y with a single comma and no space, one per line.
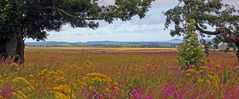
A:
137,93
169,90
6,91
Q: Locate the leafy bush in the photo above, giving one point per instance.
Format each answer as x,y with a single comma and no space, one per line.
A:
190,53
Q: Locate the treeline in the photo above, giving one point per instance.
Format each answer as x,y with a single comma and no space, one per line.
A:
111,46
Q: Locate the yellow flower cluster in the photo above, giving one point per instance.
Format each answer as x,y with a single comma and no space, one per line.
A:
20,87
97,77
20,95
99,82
63,89
63,92
59,95
79,85
55,82
205,78
51,83
22,84
51,78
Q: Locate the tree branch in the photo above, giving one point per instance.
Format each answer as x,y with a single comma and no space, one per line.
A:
206,32
77,17
226,33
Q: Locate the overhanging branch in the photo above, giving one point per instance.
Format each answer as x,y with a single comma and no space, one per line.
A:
226,33
77,17
206,32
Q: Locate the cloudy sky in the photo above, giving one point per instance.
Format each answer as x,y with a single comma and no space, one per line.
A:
151,28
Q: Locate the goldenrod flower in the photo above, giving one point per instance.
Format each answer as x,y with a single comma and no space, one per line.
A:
22,82
204,68
59,95
188,74
63,88
99,82
191,70
20,95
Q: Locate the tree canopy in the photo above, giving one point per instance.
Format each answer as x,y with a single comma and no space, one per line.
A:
213,17
21,19
35,17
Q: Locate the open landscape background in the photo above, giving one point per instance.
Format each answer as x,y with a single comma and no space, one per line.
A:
66,49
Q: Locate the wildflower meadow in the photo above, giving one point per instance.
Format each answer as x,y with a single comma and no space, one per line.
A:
117,74
119,49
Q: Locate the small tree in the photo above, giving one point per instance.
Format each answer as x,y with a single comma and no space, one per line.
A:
190,53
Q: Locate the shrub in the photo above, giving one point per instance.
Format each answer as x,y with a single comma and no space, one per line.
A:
190,52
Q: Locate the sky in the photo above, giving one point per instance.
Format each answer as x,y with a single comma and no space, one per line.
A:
150,28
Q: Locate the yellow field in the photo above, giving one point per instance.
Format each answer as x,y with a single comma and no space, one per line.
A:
104,49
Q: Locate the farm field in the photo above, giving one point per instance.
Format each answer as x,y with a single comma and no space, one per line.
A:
116,73
65,56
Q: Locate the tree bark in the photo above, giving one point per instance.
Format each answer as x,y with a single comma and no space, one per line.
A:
13,47
237,53
20,50
230,37
3,51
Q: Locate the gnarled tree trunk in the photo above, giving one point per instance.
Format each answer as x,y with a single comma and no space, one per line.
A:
13,47
230,37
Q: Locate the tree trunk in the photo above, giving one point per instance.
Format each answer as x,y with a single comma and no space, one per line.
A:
230,37
237,53
3,51
20,50
13,47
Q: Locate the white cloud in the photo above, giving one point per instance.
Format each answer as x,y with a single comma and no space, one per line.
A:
149,28
233,2
164,2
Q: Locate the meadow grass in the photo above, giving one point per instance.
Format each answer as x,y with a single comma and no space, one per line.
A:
116,73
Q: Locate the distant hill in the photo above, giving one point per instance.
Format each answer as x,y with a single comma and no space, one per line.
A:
170,43
48,43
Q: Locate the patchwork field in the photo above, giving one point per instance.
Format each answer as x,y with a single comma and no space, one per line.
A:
116,73
65,56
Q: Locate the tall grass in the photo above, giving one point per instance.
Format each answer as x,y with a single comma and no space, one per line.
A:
65,74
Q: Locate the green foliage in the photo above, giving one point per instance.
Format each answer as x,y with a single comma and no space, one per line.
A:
190,53
224,18
21,19
10,15
33,18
